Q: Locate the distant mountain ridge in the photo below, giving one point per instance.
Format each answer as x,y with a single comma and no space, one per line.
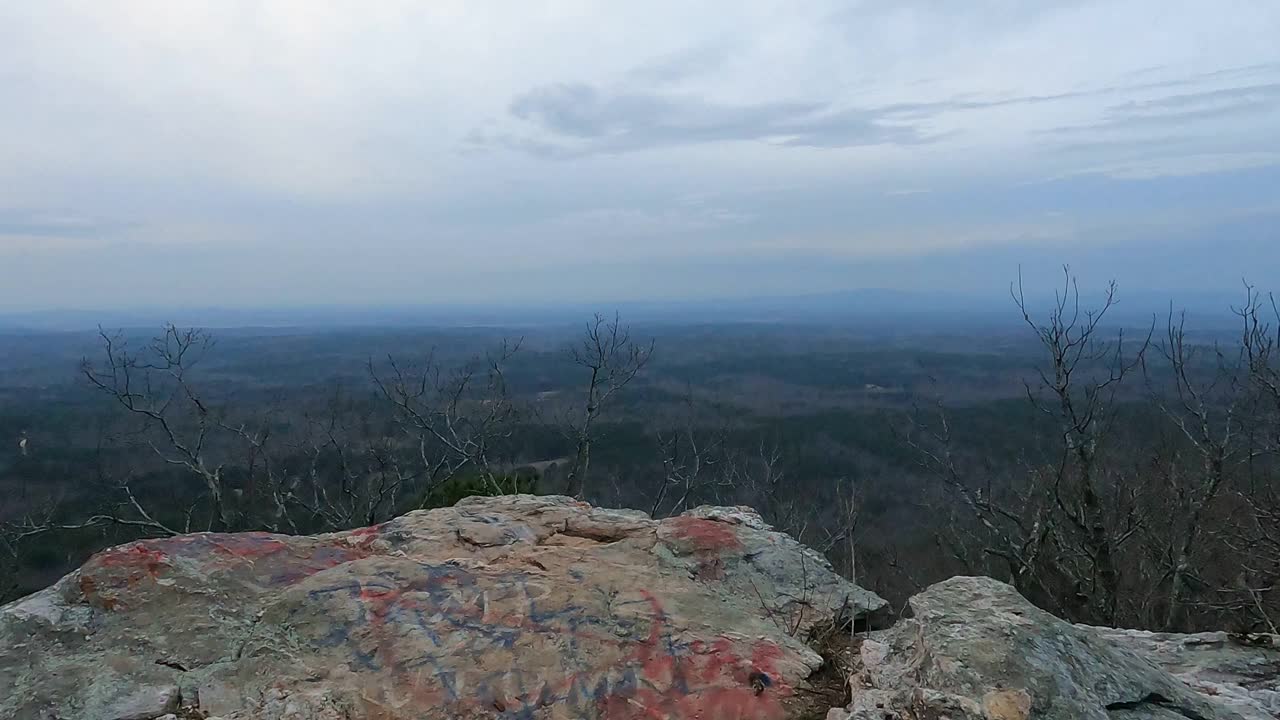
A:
876,306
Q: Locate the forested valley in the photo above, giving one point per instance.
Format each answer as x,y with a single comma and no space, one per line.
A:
1116,473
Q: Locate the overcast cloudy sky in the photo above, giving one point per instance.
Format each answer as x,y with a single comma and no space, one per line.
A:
293,152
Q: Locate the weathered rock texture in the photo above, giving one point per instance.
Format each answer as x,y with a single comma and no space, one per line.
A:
514,607
975,649
1241,672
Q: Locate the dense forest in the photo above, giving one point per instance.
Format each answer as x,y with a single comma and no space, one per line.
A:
1116,475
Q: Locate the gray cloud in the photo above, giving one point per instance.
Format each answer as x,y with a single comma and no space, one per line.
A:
680,65
43,223
1182,110
575,119
570,120
1226,101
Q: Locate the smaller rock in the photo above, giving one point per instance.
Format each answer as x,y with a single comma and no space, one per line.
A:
46,609
974,649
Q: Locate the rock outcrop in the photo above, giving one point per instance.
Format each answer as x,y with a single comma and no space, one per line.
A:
974,649
1240,672
541,608
513,607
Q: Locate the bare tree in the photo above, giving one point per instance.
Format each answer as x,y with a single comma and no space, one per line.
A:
697,462
1258,541
1012,523
1060,529
612,360
1078,392
345,472
1207,392
689,458
850,507
454,421
156,387
763,479
186,429
333,471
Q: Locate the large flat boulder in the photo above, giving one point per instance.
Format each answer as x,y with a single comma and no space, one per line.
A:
974,649
515,607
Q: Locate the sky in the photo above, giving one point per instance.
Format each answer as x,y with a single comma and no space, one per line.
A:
291,153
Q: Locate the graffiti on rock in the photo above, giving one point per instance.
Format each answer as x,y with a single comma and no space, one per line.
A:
451,635
707,541
445,634
267,560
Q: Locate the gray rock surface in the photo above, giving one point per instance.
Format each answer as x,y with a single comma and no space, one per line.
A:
975,649
1242,673
515,607
144,703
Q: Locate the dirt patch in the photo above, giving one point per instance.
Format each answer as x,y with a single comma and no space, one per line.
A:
828,687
